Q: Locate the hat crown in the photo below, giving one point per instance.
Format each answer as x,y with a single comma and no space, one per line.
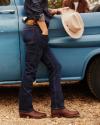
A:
73,23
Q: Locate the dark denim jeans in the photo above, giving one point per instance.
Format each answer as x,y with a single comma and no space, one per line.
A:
37,50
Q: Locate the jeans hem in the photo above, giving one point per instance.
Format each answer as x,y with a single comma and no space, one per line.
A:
26,111
57,108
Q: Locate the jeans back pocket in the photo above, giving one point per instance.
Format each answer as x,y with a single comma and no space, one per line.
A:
28,35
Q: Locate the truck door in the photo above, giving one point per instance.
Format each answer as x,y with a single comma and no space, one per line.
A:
9,42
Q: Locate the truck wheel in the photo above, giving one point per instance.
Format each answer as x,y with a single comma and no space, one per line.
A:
93,77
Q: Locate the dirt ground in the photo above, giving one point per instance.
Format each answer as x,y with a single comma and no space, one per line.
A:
77,96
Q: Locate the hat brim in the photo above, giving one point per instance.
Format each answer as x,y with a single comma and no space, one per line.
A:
74,35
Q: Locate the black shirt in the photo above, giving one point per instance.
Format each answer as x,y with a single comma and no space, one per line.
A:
35,9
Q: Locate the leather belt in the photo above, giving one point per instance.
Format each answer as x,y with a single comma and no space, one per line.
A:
30,22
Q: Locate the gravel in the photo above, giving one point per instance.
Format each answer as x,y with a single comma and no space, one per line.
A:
77,96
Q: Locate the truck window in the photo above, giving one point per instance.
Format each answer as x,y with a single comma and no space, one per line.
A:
4,2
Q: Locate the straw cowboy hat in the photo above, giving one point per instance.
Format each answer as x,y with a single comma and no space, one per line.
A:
72,22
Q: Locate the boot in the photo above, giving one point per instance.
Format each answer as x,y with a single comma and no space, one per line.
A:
34,114
64,113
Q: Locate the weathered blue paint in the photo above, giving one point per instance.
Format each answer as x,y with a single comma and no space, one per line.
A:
9,44
74,55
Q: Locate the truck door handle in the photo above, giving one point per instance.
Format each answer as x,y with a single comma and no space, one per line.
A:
7,12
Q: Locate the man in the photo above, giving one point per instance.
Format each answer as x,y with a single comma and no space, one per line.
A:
37,49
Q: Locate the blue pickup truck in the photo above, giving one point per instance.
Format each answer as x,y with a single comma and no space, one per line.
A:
80,58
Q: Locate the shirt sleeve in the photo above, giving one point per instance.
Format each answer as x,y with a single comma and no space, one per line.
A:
37,10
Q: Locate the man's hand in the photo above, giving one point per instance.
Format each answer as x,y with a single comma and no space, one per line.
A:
43,27
58,11
53,11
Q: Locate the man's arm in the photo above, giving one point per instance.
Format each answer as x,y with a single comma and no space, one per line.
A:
39,15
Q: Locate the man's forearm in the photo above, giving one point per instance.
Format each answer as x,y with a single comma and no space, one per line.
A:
43,27
42,24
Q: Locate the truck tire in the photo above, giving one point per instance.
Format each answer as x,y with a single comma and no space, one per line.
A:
93,77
